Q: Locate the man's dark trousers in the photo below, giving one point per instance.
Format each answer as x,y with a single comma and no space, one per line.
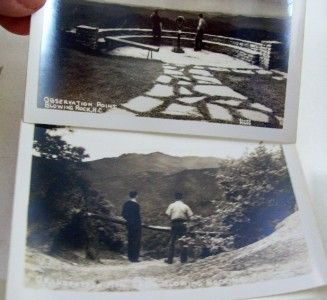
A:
199,40
134,242
178,229
156,33
131,213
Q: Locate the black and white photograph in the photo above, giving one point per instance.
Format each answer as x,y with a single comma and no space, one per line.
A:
125,212
202,63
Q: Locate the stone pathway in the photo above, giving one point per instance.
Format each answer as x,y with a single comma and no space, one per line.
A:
193,92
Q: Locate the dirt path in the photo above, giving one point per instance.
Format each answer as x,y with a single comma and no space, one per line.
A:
109,275
283,254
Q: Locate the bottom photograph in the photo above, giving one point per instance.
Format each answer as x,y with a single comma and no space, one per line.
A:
129,212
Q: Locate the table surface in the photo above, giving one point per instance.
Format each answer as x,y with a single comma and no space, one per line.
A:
311,143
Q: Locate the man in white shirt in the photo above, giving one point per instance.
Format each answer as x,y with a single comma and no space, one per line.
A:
199,33
179,213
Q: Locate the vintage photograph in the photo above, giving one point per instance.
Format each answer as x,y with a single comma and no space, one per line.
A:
124,212
207,61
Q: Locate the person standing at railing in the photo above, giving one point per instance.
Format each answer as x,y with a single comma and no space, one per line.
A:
131,213
179,213
156,26
199,33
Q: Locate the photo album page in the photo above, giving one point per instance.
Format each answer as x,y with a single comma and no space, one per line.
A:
205,68
156,156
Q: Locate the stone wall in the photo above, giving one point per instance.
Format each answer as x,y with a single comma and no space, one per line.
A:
243,54
87,36
267,54
235,42
271,52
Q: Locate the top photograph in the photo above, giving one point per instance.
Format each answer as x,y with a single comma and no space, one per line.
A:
211,68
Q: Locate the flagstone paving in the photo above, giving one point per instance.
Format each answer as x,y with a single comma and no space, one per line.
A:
164,79
173,72
184,91
193,92
183,82
243,71
201,72
142,104
254,115
278,78
182,110
219,69
281,120
207,79
264,72
261,107
219,112
228,102
204,82
161,90
218,90
190,100
182,77
167,67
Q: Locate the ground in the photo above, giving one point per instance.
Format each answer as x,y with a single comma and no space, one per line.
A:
209,87
109,79
202,86
283,254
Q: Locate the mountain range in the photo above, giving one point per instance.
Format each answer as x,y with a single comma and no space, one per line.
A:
106,15
156,177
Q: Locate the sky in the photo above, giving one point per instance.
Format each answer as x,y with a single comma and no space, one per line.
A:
266,8
102,144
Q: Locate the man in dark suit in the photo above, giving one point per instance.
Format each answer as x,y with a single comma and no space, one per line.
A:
156,26
131,213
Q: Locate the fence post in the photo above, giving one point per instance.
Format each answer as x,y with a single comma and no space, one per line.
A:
87,37
270,53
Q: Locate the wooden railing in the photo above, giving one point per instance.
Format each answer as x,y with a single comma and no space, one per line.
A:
166,229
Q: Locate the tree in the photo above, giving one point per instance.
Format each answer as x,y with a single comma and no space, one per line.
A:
61,197
51,146
256,195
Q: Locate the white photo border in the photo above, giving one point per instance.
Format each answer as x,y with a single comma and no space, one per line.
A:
35,115
16,289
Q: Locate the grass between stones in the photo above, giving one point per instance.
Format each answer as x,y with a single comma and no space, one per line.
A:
258,88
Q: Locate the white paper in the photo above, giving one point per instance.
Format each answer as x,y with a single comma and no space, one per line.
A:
221,124
121,143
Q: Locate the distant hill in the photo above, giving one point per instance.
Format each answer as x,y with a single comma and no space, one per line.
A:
128,164
106,15
156,177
